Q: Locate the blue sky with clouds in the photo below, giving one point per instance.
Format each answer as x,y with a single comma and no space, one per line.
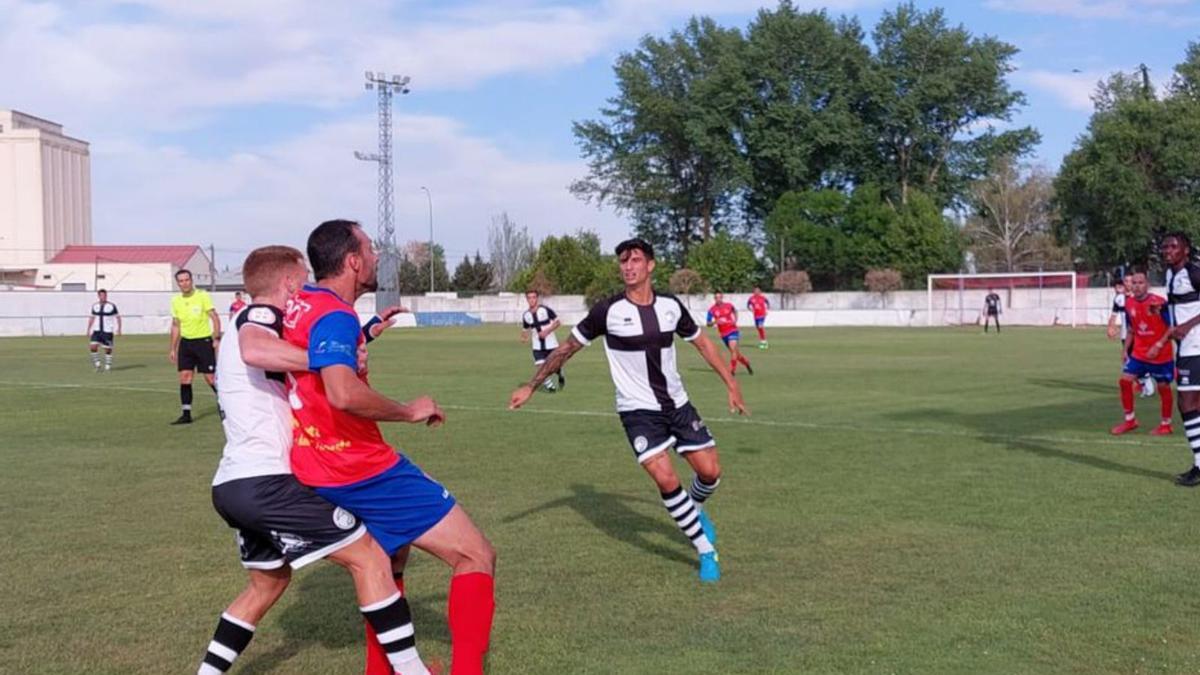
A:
233,123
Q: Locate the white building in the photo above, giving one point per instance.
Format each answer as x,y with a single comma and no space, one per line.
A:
46,220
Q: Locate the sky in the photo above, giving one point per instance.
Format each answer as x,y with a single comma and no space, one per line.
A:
234,123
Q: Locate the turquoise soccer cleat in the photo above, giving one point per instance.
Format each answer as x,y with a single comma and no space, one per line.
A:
710,568
710,530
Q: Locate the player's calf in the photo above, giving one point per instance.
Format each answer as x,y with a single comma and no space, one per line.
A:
236,626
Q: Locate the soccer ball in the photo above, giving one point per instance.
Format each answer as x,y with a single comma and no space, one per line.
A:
550,386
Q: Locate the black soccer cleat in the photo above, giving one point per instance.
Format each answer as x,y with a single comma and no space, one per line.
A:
1189,478
183,419
562,381
749,369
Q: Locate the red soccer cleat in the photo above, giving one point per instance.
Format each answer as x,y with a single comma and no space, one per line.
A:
1162,430
1124,427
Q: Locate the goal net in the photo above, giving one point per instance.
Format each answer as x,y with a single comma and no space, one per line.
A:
1026,298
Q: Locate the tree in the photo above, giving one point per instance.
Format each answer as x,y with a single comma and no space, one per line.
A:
791,282
686,282
569,263
413,273
1011,225
725,263
510,250
1133,175
929,84
472,275
665,149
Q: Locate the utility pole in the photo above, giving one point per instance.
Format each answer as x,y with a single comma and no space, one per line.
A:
389,257
212,268
429,196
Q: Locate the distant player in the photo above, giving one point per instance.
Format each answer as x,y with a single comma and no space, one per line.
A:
1183,298
991,310
338,450
282,525
104,316
759,305
1118,327
1150,353
724,316
538,324
237,304
639,328
195,328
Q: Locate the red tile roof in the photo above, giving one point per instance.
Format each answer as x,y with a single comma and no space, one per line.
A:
176,255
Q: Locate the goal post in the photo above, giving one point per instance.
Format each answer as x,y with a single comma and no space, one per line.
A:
953,298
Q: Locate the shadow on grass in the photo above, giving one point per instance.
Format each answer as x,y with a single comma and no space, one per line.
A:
610,514
131,366
325,613
1000,429
1089,387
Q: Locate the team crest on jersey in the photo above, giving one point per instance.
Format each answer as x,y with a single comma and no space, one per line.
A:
295,307
343,518
641,443
261,315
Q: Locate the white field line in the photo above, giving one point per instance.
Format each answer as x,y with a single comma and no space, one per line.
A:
751,421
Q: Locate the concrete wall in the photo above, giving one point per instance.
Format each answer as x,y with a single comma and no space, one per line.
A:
65,313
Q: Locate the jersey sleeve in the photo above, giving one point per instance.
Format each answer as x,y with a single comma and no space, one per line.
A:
206,306
550,314
115,311
1118,304
263,316
686,327
333,341
593,325
175,308
96,310
525,321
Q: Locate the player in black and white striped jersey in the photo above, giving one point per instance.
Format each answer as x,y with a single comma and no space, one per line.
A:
104,317
1183,300
639,328
538,324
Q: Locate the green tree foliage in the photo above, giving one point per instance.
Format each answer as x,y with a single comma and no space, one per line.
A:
1135,173
414,269
725,264
472,275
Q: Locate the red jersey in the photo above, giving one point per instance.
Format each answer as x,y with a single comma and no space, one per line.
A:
1148,323
236,306
329,447
758,304
725,316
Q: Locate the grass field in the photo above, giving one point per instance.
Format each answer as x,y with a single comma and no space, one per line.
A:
901,501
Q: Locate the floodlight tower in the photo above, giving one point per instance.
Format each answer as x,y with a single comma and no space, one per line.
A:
389,258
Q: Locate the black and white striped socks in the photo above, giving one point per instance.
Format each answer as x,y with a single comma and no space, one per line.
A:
392,622
229,641
701,491
1191,428
687,517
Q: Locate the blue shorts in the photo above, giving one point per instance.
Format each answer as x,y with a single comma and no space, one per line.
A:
759,321
735,335
397,506
1161,372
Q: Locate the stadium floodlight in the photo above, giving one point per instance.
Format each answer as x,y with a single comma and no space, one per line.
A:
389,258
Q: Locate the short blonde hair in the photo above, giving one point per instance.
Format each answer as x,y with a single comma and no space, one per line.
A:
261,271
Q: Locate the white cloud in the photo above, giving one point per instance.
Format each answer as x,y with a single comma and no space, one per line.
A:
277,193
1147,10
1072,90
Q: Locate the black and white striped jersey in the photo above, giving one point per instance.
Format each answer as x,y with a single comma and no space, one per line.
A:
104,312
535,321
1183,297
639,341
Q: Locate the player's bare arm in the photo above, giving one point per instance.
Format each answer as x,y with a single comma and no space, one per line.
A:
387,319
120,329
348,393
553,363
216,323
1181,331
549,329
91,320
708,351
263,349
173,353
1112,331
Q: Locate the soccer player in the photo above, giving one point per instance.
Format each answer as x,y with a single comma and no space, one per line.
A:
1117,322
639,327
195,328
237,304
103,315
337,447
538,324
1150,353
280,524
1183,299
724,315
759,305
991,310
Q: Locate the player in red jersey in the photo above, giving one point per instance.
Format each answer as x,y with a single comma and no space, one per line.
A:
237,305
724,315
759,305
1150,352
337,448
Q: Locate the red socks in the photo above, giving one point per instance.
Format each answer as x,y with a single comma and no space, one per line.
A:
471,605
377,660
1127,395
1166,400
733,365
745,361
762,334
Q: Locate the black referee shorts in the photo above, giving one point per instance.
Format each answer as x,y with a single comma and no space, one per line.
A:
197,354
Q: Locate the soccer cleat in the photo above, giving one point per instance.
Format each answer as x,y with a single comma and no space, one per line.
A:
1189,478
1162,430
1148,387
562,381
107,367
710,530
710,568
183,419
98,367
748,368
1124,427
